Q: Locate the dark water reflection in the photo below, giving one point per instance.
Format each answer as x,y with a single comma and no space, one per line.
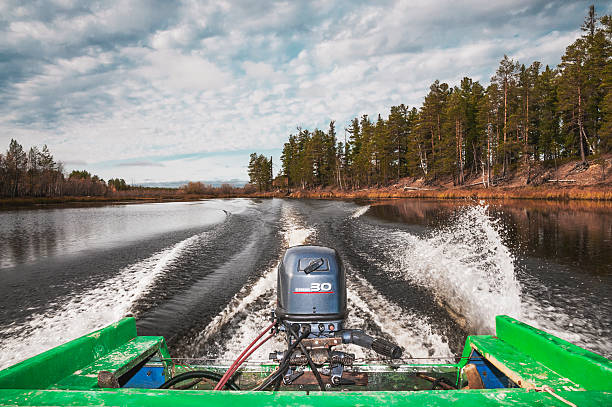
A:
577,234
26,236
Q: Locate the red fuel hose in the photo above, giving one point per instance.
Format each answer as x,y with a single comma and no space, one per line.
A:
240,359
245,358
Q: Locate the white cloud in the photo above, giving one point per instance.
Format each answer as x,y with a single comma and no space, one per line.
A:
176,37
258,70
131,80
170,70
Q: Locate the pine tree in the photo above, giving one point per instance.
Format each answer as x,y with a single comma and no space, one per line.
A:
571,94
430,125
506,78
606,86
398,128
260,172
331,163
597,58
364,161
354,150
527,80
289,161
485,123
547,120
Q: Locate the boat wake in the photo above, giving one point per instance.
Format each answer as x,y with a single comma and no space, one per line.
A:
372,312
559,321
465,267
249,310
91,310
472,274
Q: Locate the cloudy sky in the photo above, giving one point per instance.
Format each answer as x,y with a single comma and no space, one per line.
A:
185,90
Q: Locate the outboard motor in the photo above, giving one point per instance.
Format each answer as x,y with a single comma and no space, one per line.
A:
311,309
311,289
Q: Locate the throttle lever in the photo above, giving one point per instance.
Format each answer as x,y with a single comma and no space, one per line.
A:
381,346
386,348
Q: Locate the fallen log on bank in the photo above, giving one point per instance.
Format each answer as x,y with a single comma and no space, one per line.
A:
417,189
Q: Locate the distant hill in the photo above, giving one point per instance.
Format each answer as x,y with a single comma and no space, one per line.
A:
178,184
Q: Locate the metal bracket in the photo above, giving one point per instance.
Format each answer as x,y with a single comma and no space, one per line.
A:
291,376
336,374
321,342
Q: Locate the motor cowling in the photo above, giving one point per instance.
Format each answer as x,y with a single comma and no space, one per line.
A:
312,289
311,294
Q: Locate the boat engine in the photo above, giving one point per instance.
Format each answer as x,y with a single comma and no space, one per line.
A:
311,309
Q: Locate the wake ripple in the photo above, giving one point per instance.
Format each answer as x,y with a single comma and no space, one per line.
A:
376,315
359,212
91,310
248,312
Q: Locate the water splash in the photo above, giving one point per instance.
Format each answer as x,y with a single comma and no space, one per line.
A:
467,268
360,211
94,309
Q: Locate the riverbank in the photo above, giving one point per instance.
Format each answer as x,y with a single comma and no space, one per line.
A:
8,203
601,192
536,193
569,181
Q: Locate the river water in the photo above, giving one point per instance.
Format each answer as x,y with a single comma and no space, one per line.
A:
422,273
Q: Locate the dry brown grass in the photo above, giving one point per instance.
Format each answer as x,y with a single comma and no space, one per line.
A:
597,193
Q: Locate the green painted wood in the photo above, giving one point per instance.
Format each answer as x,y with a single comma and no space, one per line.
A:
521,368
49,367
590,370
121,360
141,397
165,359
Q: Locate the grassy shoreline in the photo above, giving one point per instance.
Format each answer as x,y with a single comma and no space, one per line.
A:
557,193
26,202
603,193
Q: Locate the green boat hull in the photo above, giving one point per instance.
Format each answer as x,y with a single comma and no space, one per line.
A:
527,366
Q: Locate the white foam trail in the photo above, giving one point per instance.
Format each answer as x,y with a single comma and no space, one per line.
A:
257,317
466,266
92,310
239,304
295,236
361,211
413,333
